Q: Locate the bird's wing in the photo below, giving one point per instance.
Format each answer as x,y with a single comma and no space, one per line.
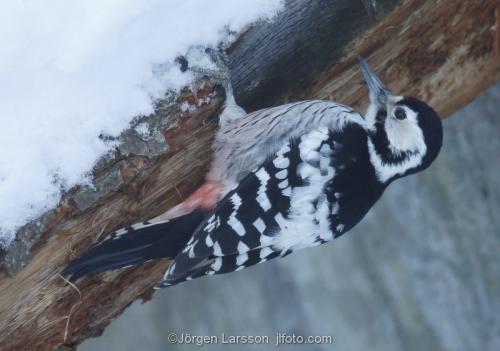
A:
244,144
245,227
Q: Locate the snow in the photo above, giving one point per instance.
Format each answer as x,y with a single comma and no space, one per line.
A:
143,130
72,70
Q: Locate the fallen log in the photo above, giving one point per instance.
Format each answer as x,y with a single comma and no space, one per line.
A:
444,52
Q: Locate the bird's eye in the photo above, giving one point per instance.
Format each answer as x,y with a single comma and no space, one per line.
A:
400,114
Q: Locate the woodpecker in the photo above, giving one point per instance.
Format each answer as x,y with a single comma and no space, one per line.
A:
283,178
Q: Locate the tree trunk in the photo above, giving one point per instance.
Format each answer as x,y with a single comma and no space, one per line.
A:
444,52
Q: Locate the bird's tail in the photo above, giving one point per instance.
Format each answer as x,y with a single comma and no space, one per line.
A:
136,244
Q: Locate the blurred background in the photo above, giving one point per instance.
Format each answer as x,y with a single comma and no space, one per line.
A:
420,272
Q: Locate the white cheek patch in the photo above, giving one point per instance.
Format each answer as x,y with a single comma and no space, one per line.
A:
404,135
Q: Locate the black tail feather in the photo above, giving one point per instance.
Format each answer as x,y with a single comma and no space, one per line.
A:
135,245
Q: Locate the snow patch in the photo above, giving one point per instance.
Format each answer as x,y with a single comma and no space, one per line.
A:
72,70
143,130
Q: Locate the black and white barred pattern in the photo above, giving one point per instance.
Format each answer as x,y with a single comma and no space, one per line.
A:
279,208
130,229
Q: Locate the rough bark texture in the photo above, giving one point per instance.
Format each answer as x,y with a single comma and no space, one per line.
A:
445,52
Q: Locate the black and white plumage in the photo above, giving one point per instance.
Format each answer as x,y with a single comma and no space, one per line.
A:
283,178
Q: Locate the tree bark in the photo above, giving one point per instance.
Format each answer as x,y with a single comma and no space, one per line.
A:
444,52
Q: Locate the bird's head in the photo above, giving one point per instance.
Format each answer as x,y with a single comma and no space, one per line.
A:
405,133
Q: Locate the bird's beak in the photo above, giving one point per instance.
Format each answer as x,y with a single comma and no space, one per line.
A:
378,92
